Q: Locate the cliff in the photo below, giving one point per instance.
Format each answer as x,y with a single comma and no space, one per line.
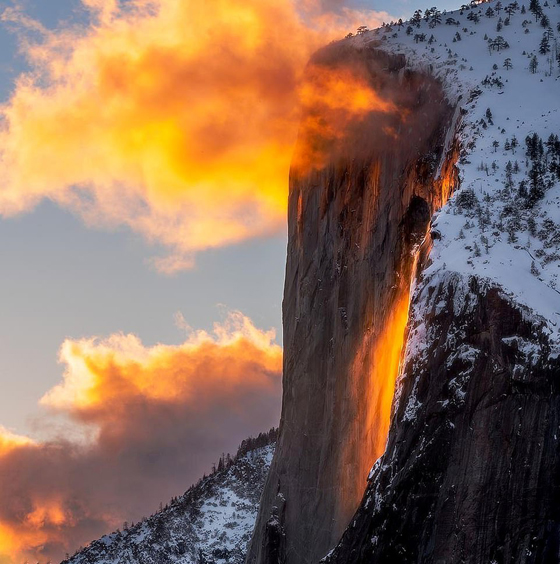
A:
470,472
356,225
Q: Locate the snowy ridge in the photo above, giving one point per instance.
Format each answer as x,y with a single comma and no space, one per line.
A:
211,523
502,227
500,63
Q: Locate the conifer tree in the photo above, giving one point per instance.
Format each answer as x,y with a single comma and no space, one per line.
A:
544,47
534,64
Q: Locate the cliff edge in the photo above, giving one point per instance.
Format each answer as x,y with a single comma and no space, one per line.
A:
358,218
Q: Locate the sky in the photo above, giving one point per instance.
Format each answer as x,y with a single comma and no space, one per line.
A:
144,155
64,279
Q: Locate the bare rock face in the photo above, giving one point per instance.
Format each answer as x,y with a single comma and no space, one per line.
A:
471,472
359,208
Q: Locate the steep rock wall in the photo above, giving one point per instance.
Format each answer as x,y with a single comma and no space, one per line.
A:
357,217
471,472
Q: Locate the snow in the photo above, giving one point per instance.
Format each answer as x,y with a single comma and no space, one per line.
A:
494,241
213,521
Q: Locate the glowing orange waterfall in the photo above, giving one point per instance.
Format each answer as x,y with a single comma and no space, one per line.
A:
384,373
388,347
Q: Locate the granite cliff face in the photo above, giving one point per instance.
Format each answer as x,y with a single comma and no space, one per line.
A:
470,466
358,218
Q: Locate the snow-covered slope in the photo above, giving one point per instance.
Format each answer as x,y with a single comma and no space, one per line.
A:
211,522
504,223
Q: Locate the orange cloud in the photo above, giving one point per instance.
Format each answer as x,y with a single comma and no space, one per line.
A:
162,415
9,440
175,118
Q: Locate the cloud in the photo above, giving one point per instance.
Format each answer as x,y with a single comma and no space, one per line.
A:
174,118
161,415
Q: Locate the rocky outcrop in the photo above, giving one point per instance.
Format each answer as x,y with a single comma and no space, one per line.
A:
357,218
471,472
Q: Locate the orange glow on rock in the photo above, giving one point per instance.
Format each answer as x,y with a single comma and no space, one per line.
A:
388,355
390,345
381,356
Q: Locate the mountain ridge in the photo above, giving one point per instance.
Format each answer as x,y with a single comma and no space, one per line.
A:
211,522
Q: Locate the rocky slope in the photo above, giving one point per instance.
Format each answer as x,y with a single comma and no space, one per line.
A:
471,472
211,523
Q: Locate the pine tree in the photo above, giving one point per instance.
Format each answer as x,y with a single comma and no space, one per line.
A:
510,9
417,17
436,17
535,8
499,43
544,47
533,65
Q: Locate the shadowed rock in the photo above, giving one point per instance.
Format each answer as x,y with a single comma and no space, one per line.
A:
472,465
